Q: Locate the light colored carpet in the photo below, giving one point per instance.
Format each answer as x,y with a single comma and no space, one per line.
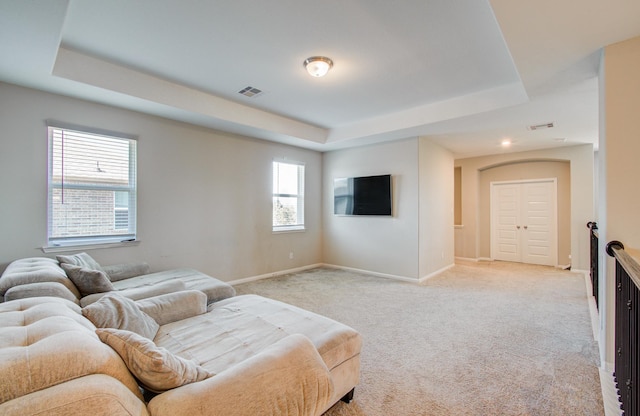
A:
488,338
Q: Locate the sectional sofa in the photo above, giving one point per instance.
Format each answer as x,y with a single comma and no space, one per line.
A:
177,353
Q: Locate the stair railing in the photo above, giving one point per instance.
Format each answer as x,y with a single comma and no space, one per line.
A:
627,323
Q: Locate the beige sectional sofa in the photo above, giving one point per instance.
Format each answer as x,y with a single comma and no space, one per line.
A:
67,276
172,354
161,344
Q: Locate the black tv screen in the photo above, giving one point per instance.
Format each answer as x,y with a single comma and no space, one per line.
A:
365,195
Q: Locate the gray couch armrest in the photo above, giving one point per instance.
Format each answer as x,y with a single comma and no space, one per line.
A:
288,375
33,290
125,271
174,307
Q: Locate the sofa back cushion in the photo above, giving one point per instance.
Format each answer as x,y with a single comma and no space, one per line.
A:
47,341
80,259
117,312
34,270
156,368
88,281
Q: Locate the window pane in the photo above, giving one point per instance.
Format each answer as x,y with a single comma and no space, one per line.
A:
92,187
285,211
286,179
288,196
84,213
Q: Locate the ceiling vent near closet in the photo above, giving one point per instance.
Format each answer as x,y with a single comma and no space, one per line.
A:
250,92
540,126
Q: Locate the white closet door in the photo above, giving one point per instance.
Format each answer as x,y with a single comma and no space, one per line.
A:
523,221
506,217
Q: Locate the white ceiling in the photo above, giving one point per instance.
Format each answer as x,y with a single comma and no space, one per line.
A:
466,73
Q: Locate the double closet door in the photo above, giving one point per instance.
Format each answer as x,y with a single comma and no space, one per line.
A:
524,221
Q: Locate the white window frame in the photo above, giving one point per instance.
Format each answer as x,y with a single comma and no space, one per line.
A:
56,243
299,195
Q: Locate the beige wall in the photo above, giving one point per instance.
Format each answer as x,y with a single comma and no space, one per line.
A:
204,197
436,208
580,160
385,245
523,171
619,169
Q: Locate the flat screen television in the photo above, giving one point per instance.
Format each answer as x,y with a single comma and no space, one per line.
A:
365,195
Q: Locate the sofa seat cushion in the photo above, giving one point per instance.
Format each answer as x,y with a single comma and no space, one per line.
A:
34,270
45,342
193,279
238,328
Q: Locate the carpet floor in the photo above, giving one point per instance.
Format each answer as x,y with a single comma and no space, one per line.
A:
487,338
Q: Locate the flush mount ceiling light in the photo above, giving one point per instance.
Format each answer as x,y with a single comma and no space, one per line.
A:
318,66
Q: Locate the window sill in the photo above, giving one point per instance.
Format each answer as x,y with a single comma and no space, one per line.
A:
80,247
288,230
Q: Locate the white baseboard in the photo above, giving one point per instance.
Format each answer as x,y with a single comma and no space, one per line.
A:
593,308
385,275
587,273
610,397
274,274
466,259
437,272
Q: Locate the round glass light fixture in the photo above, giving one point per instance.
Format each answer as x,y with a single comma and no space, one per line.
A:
318,66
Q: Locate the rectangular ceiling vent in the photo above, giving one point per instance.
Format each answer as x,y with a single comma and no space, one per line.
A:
250,92
540,126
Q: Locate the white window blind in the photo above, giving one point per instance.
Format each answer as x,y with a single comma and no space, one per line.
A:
91,188
288,196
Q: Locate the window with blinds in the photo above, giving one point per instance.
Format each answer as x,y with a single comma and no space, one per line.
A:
288,196
91,188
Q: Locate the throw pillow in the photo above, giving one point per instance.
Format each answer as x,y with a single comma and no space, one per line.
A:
86,280
80,259
116,311
155,367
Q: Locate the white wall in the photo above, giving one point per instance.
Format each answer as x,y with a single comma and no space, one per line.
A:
580,158
385,245
436,208
204,197
619,170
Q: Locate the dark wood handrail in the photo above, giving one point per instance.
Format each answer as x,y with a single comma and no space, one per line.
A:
616,249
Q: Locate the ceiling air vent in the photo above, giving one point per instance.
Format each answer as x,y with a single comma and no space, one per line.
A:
540,126
250,92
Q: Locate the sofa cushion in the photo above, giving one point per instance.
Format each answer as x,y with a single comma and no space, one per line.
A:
238,328
32,290
193,279
34,270
174,307
140,292
155,367
80,259
88,281
47,341
116,311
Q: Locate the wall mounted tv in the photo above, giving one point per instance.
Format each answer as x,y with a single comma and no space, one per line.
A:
365,195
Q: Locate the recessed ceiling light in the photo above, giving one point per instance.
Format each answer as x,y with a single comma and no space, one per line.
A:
506,142
318,66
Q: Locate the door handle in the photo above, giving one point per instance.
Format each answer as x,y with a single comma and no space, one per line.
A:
518,227
526,226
